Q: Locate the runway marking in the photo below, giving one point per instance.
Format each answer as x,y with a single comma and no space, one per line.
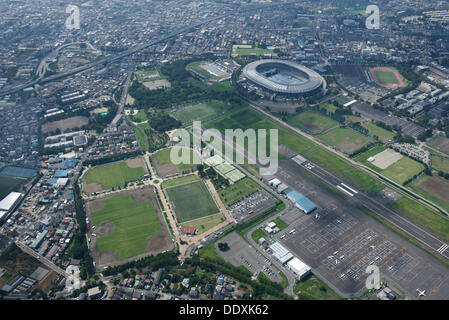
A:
345,191
349,188
442,248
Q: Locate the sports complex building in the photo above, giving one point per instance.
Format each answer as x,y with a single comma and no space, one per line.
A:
284,77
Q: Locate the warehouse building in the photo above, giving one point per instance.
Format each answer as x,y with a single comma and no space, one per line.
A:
280,252
9,204
301,269
300,201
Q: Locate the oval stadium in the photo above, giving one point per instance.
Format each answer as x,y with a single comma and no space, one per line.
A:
284,77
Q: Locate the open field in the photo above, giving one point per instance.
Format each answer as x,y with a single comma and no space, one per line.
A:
140,116
440,163
386,158
312,288
312,122
344,139
157,84
257,234
140,138
165,167
383,134
245,50
180,181
113,175
143,76
434,188
362,180
64,124
363,157
8,184
239,190
205,223
127,225
440,143
423,217
192,201
281,224
403,170
200,111
327,160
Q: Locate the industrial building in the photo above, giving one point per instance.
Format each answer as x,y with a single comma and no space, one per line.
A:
9,204
285,257
301,269
300,201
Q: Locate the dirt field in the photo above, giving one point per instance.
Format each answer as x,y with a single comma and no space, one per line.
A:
135,163
436,186
64,124
386,158
166,169
157,84
155,244
441,143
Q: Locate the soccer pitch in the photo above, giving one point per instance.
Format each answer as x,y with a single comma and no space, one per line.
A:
133,225
113,175
192,201
386,77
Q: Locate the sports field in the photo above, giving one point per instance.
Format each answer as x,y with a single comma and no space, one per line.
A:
312,122
192,201
205,223
247,50
440,143
180,181
113,175
200,111
133,224
238,191
440,163
345,139
402,170
387,77
363,157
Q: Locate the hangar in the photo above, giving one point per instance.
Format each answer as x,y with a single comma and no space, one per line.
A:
9,204
299,268
301,201
281,253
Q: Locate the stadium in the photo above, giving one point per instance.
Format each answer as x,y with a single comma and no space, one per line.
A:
284,77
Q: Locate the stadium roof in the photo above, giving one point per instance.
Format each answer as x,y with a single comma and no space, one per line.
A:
314,81
9,201
302,201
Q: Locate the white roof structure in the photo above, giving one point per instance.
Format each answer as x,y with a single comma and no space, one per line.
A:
298,267
281,253
274,182
9,201
272,225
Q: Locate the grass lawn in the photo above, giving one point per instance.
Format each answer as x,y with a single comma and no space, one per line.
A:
362,180
386,77
239,190
134,223
140,138
312,122
441,143
200,111
423,217
328,106
440,163
433,188
140,116
280,223
151,75
327,160
403,169
163,157
363,157
205,223
345,139
113,175
383,134
180,181
251,51
257,234
312,288
192,201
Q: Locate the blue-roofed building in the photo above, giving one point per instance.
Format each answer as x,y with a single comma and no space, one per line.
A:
61,174
69,164
300,201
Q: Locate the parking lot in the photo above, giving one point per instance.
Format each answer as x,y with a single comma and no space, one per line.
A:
257,202
240,253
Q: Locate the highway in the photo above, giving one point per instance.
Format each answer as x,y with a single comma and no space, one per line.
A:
41,258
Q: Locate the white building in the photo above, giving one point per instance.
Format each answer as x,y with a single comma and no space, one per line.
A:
281,253
299,268
9,203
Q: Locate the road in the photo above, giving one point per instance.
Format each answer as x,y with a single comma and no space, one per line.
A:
41,258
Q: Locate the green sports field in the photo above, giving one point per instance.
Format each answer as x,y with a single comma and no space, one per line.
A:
345,139
312,122
134,224
403,169
192,201
383,134
113,175
386,77
200,111
238,191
